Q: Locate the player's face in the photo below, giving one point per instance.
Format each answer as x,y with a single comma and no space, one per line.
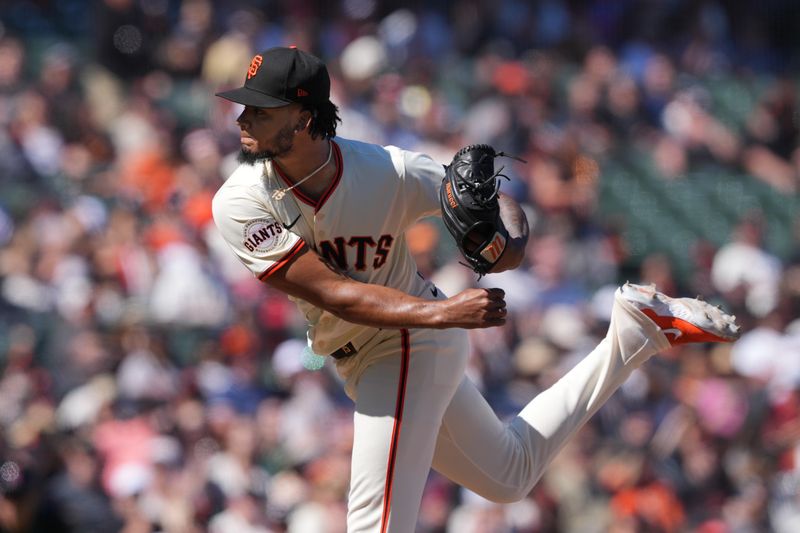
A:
266,133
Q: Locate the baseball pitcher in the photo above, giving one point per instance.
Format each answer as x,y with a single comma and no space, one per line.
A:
323,218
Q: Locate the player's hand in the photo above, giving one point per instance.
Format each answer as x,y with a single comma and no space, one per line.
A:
474,308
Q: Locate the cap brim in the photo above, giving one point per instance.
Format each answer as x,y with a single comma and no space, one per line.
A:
249,97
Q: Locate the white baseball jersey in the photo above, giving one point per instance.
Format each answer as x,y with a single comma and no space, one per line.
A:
358,225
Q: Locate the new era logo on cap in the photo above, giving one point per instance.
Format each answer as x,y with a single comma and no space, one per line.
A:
280,76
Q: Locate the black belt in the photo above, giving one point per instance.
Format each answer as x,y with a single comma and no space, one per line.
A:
345,351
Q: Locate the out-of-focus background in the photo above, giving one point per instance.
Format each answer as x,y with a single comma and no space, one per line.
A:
149,384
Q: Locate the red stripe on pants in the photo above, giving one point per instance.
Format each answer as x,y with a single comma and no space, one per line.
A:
398,421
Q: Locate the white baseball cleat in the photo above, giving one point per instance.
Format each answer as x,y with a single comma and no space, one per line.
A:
682,320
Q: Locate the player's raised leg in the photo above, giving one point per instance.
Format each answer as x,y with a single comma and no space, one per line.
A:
503,462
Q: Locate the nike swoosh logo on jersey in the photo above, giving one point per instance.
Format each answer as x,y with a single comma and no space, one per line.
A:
435,291
290,226
674,331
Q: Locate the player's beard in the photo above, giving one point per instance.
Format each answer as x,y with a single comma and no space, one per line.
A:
283,143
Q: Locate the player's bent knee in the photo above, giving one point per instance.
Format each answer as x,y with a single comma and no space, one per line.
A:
504,494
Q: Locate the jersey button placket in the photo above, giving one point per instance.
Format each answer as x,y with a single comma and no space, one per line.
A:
319,233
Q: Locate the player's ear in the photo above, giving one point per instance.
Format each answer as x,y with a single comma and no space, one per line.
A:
304,122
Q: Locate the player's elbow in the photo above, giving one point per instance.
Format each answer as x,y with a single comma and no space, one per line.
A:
345,312
343,301
337,306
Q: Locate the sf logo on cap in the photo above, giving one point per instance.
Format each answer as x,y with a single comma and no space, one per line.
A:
254,64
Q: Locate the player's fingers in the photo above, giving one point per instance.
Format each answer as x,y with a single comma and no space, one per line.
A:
495,305
486,321
493,322
499,313
495,293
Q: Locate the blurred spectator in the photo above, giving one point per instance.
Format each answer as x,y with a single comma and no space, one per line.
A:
742,267
773,129
73,500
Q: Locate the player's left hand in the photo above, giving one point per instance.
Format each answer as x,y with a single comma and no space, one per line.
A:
474,215
515,223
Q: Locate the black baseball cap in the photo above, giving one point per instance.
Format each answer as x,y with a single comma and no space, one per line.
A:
280,76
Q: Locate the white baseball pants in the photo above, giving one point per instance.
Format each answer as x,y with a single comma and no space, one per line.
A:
416,410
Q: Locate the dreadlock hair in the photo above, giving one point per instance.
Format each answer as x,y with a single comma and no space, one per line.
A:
324,119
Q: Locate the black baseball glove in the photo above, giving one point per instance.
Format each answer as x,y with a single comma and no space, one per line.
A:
470,209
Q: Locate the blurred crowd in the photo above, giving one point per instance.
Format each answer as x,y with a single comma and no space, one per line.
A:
148,383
